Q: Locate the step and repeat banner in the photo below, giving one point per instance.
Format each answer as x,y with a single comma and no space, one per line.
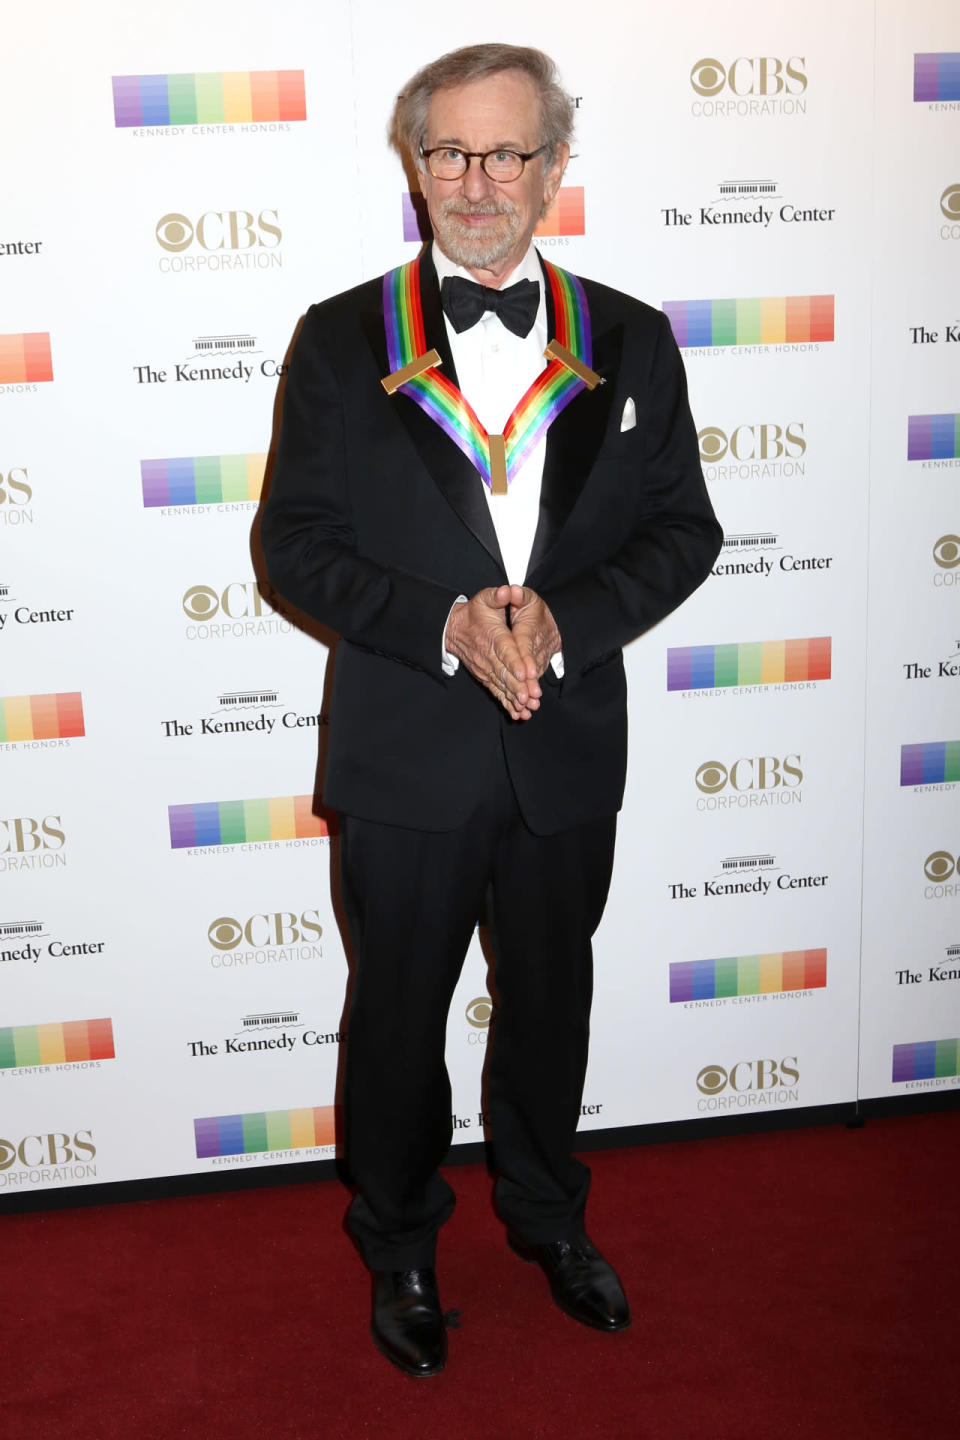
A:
784,182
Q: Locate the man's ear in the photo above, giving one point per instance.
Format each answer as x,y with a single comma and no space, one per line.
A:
553,177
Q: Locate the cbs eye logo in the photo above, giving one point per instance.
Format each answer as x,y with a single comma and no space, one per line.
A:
200,602
940,866
712,1079
174,232
946,552
713,443
950,202
708,77
711,777
480,1011
225,933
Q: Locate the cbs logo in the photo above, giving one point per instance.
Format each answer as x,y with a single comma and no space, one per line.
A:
766,772
260,932
950,202
752,442
14,491
23,835
239,600
52,1149
479,1013
218,230
946,552
940,866
764,75
748,1075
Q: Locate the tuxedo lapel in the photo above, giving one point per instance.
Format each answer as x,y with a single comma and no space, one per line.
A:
574,439
451,470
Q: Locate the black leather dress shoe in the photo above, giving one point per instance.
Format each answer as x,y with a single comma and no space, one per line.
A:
407,1324
583,1284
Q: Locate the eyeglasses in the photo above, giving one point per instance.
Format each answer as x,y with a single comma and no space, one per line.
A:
447,162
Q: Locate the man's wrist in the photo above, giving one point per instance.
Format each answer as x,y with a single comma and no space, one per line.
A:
449,663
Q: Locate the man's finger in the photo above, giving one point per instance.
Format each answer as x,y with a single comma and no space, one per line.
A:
490,669
524,678
499,679
535,665
495,597
497,674
513,709
532,649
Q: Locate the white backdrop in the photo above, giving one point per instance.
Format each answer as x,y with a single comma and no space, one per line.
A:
779,932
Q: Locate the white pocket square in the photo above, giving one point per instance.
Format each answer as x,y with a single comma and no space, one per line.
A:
628,419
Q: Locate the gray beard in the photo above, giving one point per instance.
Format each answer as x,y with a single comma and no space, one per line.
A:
475,251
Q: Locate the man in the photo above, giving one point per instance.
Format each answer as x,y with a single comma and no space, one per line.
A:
483,573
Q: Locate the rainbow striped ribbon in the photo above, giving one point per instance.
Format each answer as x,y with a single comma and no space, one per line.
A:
438,397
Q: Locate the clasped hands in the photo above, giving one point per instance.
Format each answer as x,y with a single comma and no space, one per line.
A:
506,637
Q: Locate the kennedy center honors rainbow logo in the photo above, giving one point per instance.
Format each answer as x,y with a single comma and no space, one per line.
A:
229,97
239,822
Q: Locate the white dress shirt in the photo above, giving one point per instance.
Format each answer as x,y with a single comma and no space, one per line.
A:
495,368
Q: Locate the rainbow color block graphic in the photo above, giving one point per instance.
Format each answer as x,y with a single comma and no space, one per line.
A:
776,320
565,216
264,1130
761,662
237,822
747,975
926,1060
66,1040
25,359
937,76
41,717
933,437
228,97
936,763
201,479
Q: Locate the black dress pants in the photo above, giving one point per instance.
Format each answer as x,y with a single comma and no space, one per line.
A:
412,899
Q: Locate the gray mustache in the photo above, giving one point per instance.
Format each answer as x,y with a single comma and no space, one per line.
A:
486,207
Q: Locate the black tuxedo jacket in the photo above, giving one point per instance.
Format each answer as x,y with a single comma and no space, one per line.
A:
375,523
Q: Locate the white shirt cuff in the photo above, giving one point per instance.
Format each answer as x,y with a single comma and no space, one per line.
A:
556,662
449,663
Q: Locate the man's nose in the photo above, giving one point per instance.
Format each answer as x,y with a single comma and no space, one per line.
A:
477,184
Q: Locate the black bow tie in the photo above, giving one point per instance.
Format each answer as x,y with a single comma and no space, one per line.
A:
464,302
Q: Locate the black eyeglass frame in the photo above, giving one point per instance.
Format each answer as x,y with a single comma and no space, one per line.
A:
483,156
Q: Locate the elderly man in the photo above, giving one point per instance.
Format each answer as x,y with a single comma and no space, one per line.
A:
487,482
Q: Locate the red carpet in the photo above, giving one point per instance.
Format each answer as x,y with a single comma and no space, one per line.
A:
799,1283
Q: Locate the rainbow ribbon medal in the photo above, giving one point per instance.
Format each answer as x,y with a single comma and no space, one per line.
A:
415,372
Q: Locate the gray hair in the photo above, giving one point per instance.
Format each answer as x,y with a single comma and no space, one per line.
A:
408,127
